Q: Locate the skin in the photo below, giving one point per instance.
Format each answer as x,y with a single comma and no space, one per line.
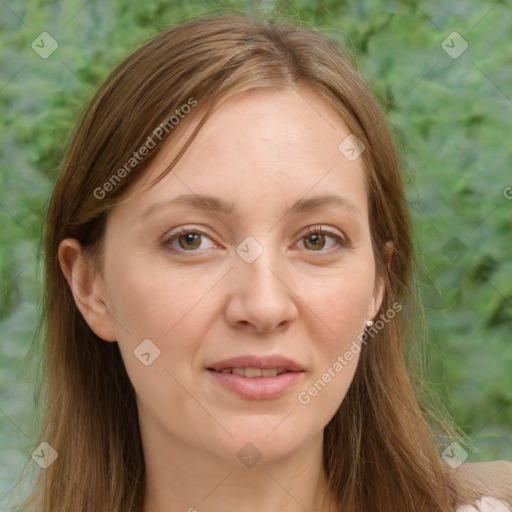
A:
303,298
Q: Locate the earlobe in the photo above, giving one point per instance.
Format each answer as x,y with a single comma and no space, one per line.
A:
86,285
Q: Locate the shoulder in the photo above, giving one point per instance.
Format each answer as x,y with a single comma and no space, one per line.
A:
495,468
494,480
486,504
494,473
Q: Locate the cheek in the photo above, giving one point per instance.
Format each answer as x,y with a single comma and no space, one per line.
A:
340,307
147,304
154,301
169,308
341,302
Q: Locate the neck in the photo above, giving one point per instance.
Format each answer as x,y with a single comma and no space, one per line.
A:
184,478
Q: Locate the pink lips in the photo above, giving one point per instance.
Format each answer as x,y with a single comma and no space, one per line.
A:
257,388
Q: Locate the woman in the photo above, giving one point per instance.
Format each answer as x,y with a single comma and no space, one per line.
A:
228,263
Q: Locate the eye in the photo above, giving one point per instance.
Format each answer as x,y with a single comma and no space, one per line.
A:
185,240
317,238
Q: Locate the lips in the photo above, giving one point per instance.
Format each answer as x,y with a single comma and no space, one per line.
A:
250,373
257,378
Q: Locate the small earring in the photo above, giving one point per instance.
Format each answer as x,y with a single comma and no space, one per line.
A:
369,323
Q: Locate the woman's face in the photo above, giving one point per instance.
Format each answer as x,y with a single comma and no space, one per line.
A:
247,283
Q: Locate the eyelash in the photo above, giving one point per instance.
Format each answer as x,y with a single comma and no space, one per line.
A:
170,237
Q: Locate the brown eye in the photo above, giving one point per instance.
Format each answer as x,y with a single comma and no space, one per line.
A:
315,241
189,241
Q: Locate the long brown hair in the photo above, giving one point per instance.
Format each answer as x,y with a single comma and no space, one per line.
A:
379,451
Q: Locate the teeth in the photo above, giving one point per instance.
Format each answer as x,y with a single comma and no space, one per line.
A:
253,372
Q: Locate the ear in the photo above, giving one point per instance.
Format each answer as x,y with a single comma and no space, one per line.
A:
87,287
389,247
380,283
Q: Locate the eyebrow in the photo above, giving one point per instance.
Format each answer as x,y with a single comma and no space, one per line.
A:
215,204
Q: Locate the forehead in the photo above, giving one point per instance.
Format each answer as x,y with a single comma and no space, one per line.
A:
260,147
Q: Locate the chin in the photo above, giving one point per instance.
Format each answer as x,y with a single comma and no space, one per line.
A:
261,445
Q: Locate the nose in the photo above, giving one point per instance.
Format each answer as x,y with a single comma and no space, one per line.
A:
260,298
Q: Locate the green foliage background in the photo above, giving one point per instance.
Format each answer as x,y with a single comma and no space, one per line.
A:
451,118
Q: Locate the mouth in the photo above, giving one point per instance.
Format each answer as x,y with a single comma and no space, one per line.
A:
251,373
257,378
257,366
